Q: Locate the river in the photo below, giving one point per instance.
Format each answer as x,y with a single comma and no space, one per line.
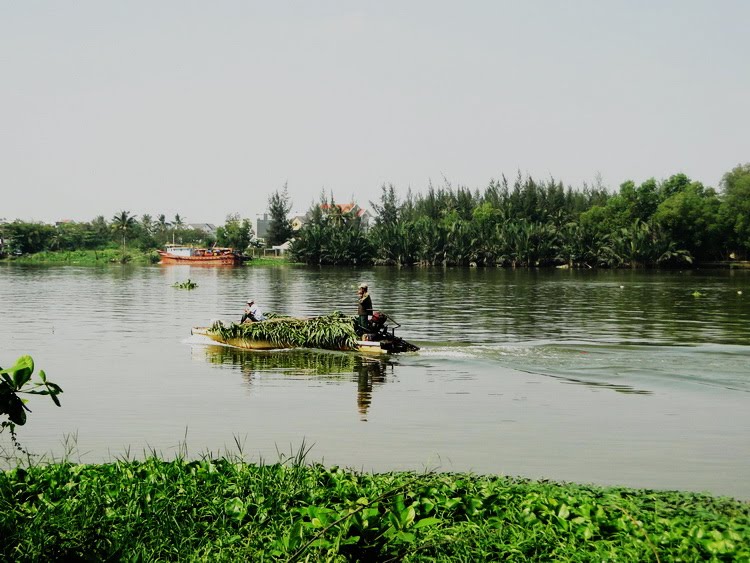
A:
629,378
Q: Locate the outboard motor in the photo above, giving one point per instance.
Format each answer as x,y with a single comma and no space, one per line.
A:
377,321
382,328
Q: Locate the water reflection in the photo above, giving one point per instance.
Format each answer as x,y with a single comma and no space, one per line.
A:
368,373
371,373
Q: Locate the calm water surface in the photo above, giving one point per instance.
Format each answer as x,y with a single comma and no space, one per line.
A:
620,378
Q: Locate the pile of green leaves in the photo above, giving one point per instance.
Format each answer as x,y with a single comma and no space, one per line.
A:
227,510
331,332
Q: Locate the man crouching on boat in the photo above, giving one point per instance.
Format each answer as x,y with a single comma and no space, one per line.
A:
252,313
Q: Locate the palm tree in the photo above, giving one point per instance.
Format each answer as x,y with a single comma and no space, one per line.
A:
147,223
123,222
177,223
162,224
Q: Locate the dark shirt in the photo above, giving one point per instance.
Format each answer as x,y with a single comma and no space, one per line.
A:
364,307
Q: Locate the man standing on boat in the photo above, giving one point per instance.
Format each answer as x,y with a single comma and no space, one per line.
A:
364,308
252,313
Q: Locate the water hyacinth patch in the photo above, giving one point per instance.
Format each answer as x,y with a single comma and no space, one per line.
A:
226,509
185,285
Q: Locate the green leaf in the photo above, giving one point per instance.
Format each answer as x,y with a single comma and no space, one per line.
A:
426,522
235,509
55,399
406,537
22,371
407,516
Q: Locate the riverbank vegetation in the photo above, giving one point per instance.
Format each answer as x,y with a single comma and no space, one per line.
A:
90,257
123,238
676,222
223,509
527,223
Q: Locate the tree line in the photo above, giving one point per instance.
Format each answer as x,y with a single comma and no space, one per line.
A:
145,233
526,223
122,230
523,223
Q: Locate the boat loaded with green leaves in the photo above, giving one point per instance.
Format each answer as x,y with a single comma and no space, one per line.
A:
330,332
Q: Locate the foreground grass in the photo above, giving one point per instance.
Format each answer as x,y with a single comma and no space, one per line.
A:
221,509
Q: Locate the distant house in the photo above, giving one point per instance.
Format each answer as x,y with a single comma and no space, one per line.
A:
281,249
262,226
355,209
208,228
298,221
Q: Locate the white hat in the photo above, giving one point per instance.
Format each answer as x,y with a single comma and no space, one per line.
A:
250,301
363,285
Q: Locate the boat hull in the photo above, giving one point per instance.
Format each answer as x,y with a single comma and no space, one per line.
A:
362,346
187,254
218,260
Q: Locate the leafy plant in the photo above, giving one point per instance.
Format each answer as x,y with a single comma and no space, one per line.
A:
185,285
333,332
17,380
225,509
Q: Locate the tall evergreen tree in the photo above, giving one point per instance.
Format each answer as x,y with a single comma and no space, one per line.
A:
280,229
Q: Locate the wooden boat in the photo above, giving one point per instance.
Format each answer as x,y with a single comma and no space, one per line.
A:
380,340
181,254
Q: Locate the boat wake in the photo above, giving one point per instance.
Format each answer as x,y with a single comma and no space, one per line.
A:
633,367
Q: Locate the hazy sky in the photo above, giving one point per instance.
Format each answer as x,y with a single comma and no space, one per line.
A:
206,108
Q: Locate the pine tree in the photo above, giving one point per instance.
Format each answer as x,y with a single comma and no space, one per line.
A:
280,229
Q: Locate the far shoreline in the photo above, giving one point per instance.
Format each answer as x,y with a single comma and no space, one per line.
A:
115,257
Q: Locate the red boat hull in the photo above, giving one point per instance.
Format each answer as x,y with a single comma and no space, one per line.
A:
223,257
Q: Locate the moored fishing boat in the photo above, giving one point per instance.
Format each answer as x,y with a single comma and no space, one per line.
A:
183,254
330,332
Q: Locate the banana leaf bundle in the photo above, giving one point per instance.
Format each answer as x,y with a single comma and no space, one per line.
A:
332,332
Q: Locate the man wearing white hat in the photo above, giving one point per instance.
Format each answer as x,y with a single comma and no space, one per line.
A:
364,307
252,313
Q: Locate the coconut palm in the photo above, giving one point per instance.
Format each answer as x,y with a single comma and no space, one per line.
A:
148,224
162,224
122,223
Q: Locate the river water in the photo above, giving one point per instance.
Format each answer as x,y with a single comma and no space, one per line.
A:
639,379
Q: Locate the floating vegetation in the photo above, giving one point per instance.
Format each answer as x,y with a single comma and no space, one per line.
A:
185,285
697,294
332,332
